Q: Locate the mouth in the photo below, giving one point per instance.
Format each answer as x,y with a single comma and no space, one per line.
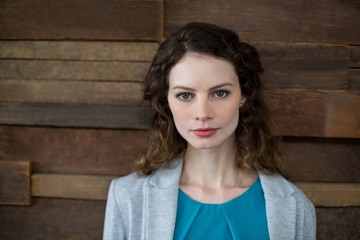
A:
204,132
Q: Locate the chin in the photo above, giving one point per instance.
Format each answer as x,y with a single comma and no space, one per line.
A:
204,145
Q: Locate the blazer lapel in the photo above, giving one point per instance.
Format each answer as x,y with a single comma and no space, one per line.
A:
161,202
281,222
280,207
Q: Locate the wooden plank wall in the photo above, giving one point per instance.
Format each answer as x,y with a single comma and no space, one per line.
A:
71,77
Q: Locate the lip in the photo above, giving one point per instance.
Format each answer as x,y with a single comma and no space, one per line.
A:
205,132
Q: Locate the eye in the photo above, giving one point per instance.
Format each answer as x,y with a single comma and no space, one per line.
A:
184,96
221,93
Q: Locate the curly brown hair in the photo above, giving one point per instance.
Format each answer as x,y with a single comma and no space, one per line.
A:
257,145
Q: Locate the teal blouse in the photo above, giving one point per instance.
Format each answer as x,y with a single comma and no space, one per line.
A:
243,217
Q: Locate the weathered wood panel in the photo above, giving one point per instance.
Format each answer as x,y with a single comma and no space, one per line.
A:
54,219
355,56
96,187
338,223
291,21
15,183
71,92
322,159
112,152
73,151
332,194
316,113
73,70
91,19
64,115
354,79
287,65
70,186
304,65
78,50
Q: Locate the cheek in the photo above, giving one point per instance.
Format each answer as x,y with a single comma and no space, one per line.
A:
178,113
231,113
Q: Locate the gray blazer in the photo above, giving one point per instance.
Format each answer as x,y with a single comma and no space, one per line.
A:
140,208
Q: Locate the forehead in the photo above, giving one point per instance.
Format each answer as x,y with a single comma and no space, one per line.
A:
195,68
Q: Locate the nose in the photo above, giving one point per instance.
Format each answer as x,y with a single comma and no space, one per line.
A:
204,111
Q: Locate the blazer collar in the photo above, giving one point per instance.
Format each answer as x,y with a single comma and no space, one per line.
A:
168,177
280,206
161,196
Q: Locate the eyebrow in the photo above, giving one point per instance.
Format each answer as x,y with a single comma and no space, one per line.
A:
211,89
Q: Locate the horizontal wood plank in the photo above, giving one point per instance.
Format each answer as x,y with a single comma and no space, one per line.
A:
96,188
71,92
55,219
287,65
322,159
70,186
332,194
15,183
64,115
74,150
290,21
78,50
73,70
315,113
304,65
355,56
337,223
354,79
91,19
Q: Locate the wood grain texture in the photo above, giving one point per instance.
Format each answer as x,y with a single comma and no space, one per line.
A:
70,186
354,79
304,65
71,92
65,115
332,194
322,159
73,70
315,113
78,50
15,183
112,152
355,56
55,219
90,19
73,150
289,21
287,65
338,223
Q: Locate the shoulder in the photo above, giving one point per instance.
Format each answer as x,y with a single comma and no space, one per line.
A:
283,197
277,186
279,190
128,187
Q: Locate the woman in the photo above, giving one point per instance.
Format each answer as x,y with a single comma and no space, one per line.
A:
212,168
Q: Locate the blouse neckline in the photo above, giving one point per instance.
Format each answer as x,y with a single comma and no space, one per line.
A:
242,195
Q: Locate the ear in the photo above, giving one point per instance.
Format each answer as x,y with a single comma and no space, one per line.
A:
242,101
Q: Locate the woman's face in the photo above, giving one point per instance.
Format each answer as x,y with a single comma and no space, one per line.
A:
204,98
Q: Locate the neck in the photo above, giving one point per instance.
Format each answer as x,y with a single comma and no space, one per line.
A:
210,168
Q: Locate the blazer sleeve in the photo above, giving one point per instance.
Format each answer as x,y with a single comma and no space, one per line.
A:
114,227
309,221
